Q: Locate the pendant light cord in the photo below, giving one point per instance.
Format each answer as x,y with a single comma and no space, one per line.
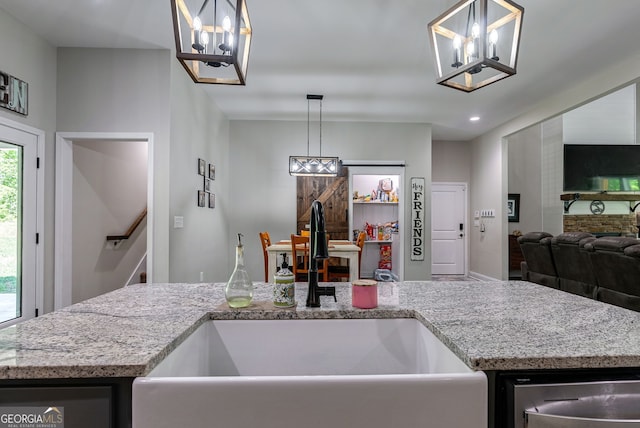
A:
320,128
308,119
319,98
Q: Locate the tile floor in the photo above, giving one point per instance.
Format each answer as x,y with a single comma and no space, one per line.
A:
452,278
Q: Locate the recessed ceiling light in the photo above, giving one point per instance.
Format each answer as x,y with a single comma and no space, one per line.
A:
474,118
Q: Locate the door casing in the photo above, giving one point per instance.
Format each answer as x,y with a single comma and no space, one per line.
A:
32,140
64,206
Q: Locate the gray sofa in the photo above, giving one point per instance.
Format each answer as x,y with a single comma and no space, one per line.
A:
606,269
616,265
539,266
571,258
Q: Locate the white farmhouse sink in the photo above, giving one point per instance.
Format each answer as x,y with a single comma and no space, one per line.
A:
312,373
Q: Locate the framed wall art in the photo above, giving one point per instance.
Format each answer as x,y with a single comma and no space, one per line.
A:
202,165
513,207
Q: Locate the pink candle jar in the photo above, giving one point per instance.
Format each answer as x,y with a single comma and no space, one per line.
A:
364,294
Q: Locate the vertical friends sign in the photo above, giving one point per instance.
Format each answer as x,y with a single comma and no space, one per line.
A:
14,94
417,218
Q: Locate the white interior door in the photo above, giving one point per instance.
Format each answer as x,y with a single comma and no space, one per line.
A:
448,228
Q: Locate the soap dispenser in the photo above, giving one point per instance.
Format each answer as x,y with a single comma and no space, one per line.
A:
239,289
284,286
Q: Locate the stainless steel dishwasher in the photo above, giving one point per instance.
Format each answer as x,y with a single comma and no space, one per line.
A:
600,404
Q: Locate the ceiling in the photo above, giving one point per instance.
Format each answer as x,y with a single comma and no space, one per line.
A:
369,58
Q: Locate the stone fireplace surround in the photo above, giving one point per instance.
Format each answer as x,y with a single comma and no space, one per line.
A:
601,224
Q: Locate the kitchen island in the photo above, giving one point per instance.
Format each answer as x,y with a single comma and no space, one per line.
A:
491,326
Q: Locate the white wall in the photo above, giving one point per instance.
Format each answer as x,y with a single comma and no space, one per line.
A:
110,192
198,130
123,90
262,193
35,62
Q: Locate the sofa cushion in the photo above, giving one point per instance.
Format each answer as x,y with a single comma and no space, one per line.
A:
613,243
633,251
571,238
533,237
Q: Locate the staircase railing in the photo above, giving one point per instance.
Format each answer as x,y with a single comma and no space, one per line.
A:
129,232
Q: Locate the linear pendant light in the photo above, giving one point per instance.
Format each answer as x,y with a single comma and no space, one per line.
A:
314,165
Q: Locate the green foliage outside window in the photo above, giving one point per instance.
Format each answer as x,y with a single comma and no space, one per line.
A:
8,185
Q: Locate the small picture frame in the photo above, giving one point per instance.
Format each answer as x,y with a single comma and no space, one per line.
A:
513,207
202,198
212,171
202,165
212,200
207,185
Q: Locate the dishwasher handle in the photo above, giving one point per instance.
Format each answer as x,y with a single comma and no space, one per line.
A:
534,419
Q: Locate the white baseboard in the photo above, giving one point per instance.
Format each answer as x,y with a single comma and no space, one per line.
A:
481,277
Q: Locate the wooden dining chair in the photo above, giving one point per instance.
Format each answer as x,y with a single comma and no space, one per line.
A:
265,240
300,260
338,273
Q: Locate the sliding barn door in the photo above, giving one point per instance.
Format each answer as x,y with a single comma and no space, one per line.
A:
333,193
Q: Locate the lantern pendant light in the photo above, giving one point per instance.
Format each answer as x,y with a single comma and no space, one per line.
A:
212,39
475,43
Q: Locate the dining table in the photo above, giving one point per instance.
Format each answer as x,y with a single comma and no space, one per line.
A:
337,248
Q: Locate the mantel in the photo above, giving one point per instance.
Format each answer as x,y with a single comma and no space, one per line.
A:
570,198
600,197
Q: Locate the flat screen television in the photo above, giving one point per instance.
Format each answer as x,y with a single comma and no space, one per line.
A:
601,167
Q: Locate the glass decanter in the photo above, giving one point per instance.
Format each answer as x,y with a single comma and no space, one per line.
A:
239,289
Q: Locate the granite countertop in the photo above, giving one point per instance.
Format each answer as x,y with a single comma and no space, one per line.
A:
502,325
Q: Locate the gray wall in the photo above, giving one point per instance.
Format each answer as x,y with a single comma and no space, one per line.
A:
263,195
34,62
123,90
451,161
489,175
198,130
525,177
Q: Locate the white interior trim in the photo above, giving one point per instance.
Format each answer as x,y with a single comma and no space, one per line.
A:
39,262
64,204
382,168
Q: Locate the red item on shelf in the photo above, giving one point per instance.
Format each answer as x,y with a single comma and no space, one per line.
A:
385,257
